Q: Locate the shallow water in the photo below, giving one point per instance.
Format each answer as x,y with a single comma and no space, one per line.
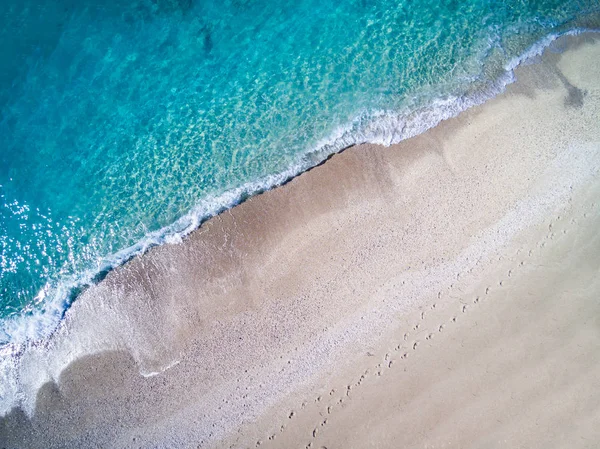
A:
124,124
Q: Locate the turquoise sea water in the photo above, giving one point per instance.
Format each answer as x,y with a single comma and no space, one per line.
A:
125,123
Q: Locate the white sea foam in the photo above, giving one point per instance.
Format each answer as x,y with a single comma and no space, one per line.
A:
538,48
382,127
161,370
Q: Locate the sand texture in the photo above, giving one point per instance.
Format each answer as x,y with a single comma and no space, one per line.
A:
443,292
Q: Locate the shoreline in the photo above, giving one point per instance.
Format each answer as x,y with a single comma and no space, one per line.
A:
211,207
260,271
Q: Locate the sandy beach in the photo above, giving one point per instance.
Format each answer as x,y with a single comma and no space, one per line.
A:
442,292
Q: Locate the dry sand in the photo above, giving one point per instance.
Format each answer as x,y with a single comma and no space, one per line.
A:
443,292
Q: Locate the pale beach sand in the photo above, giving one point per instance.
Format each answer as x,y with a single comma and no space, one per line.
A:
439,293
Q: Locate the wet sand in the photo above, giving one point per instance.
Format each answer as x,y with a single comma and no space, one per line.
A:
441,292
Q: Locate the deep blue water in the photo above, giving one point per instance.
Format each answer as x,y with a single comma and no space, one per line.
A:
124,123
